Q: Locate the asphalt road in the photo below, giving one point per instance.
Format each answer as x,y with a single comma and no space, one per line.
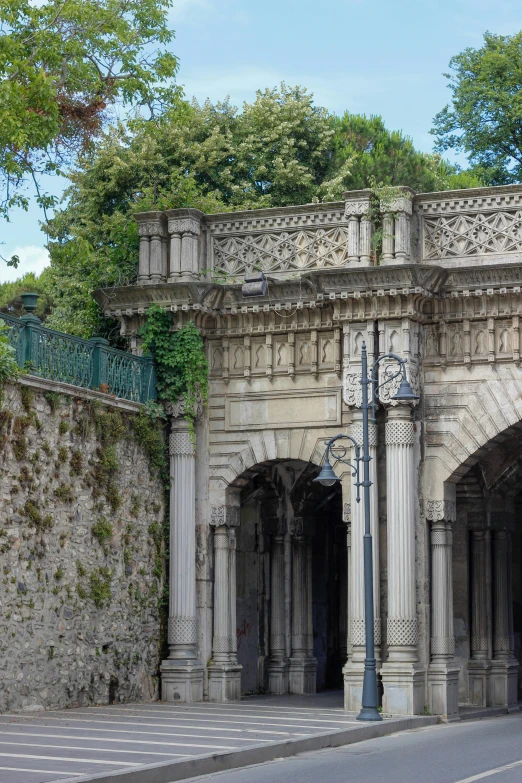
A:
487,750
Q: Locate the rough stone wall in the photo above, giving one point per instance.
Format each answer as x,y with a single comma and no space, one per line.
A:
81,553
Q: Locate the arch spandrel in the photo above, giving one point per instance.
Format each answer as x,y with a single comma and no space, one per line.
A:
468,412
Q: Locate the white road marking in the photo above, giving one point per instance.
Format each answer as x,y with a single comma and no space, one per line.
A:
160,725
204,720
191,712
210,708
63,758
94,750
156,733
490,772
43,771
110,739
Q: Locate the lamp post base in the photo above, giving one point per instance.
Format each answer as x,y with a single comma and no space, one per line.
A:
369,713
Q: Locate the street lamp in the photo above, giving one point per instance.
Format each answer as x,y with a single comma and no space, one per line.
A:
369,709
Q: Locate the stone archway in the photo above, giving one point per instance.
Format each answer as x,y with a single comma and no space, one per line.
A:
487,571
289,617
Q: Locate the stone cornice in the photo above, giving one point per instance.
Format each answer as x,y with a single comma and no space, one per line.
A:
484,277
313,289
329,213
471,200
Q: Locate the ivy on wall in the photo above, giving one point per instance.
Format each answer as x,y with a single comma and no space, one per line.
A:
8,365
181,364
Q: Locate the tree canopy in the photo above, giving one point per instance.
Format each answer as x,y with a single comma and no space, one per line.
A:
484,119
63,64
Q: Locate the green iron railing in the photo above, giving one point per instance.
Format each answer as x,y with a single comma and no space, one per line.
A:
90,364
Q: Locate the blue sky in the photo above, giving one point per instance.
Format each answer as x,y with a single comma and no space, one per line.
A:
367,56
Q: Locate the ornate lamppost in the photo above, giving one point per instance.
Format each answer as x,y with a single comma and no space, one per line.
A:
369,708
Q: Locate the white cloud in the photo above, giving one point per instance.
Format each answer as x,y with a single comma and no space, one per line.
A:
32,259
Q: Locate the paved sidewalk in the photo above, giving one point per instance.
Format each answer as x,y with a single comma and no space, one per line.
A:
78,744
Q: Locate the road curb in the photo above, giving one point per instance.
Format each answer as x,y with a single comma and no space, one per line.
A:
172,771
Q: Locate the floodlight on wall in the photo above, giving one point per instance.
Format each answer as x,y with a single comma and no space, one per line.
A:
255,285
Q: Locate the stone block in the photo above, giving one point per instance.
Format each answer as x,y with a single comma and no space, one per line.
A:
478,683
181,682
302,675
503,685
353,684
443,691
404,689
224,682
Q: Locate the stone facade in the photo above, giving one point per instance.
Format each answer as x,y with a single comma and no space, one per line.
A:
81,555
445,294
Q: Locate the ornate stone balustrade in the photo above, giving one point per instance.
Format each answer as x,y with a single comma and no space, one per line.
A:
453,228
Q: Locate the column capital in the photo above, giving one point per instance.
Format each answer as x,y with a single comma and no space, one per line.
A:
225,516
296,526
441,510
178,409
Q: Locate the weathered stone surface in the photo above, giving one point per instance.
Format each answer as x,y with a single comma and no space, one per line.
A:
57,648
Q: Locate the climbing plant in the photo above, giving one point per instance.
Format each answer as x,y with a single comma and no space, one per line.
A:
181,364
8,365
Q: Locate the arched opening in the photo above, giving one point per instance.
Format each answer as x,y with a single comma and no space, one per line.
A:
291,580
487,575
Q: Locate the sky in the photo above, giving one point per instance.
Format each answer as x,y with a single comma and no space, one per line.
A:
365,56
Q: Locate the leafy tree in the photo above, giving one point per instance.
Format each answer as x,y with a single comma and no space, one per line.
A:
484,119
63,63
10,299
365,152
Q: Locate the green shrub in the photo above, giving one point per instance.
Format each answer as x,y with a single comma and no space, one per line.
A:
64,493
102,531
100,586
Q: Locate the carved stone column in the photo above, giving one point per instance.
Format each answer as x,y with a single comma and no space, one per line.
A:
353,673
402,680
302,668
356,211
152,266
182,672
144,259
277,665
479,666
232,592
397,210
224,672
504,667
343,602
185,226
442,673
189,249
175,251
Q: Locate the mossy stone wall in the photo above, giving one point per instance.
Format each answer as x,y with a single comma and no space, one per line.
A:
81,552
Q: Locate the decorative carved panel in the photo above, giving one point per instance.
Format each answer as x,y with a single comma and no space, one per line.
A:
281,252
472,235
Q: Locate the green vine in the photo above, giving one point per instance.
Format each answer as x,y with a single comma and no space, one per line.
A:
382,199
181,364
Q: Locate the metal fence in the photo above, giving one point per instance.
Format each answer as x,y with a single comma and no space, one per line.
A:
90,364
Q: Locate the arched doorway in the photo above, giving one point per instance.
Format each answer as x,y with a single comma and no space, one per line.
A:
487,575
291,580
